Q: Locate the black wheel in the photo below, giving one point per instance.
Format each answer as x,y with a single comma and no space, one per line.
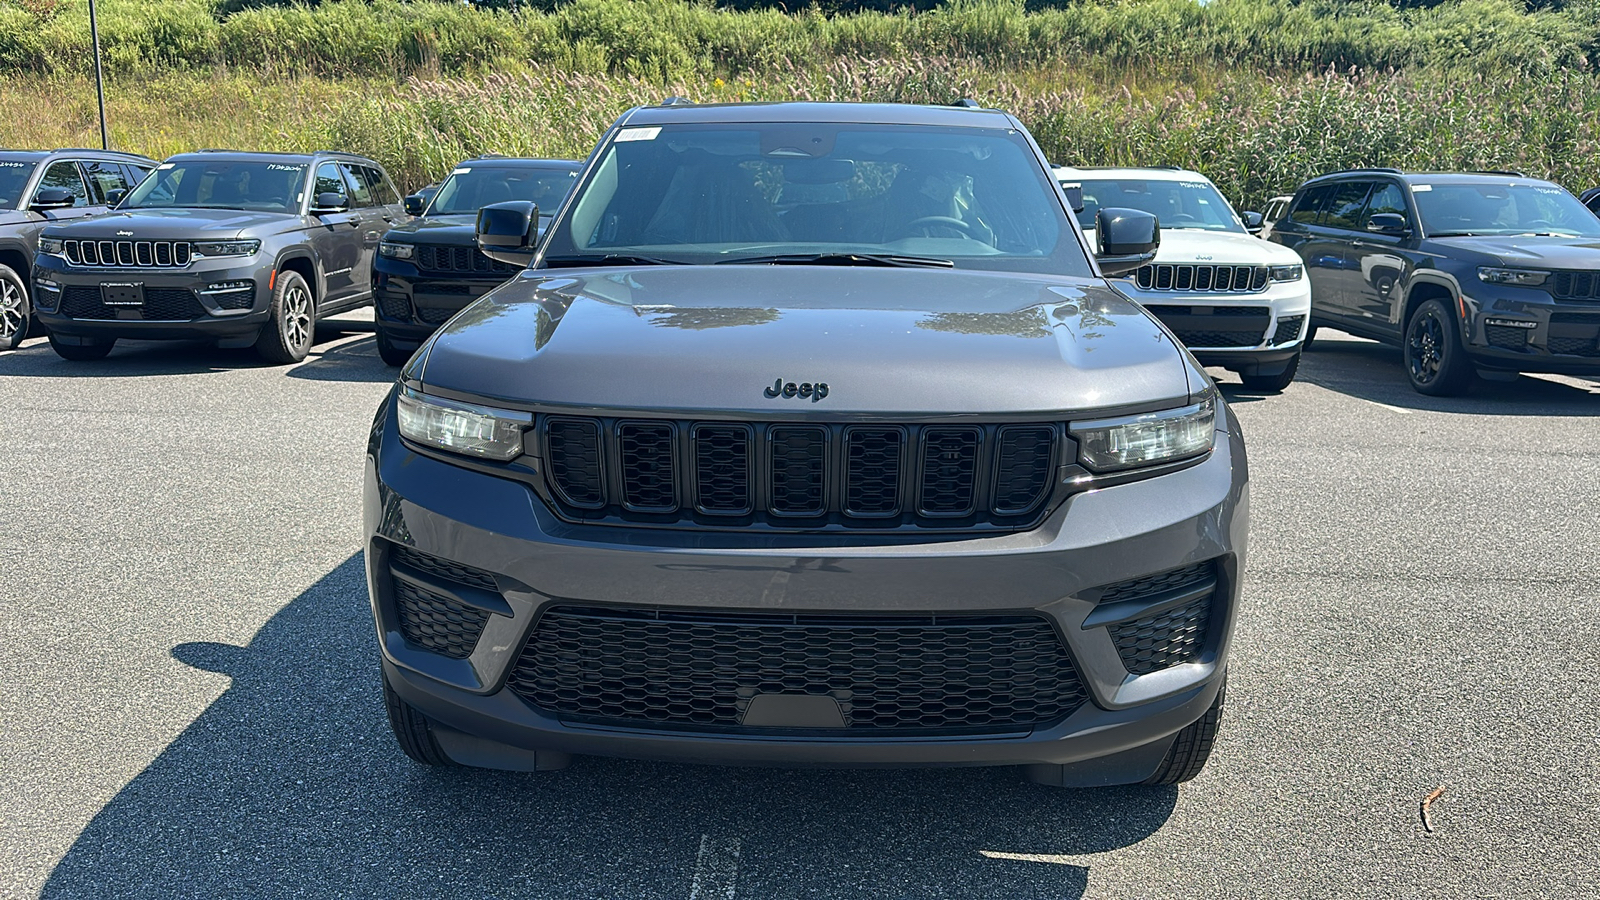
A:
1311,336
388,352
16,313
97,348
412,730
286,338
1272,384
1193,746
1436,362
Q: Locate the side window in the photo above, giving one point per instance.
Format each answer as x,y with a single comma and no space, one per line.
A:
134,174
382,188
1386,198
360,193
1308,209
64,174
104,177
328,181
1345,206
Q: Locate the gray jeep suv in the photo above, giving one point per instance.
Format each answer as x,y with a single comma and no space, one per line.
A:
244,249
813,435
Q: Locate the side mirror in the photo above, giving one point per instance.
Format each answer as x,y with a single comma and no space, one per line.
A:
52,198
1254,222
509,231
1387,223
113,197
1074,194
415,204
1128,239
329,202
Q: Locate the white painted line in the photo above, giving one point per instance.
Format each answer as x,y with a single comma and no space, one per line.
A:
1400,410
716,869
1060,859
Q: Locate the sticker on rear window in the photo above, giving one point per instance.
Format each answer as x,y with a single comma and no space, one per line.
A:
462,171
165,166
12,165
638,134
1421,187
275,167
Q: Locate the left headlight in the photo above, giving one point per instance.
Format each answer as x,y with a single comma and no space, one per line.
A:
1519,277
1287,273
462,427
50,246
226,248
396,250
1109,445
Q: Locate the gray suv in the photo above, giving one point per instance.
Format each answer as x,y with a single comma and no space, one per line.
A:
813,435
244,249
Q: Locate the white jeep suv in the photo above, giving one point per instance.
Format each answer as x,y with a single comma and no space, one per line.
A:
1235,301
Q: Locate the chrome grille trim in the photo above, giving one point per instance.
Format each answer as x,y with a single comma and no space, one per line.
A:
128,254
1210,279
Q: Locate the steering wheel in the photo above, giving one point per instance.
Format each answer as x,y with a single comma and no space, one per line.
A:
1181,217
942,221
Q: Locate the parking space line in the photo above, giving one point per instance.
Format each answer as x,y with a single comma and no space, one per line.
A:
716,869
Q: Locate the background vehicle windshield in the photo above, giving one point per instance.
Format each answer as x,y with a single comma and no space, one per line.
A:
1177,204
473,186
13,175
218,184
726,192
1502,209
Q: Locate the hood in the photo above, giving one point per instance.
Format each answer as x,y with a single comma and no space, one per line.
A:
180,224
452,230
1191,246
1526,250
713,339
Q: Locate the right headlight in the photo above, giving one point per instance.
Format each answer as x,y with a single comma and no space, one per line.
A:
1109,445
396,250
1287,273
464,428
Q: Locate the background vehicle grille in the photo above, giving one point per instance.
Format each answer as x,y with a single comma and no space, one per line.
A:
394,306
435,258
1215,326
435,315
1288,330
123,254
1576,286
1507,338
1568,346
646,667
793,475
160,304
435,621
1170,636
1202,278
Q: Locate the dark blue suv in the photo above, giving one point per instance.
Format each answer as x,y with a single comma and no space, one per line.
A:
1466,271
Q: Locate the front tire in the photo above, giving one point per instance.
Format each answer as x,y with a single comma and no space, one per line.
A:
97,348
1311,338
1272,384
412,730
388,352
287,336
16,313
1435,359
1193,745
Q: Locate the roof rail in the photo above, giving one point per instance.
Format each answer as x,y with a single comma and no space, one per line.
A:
1388,170
967,103
676,100
1512,172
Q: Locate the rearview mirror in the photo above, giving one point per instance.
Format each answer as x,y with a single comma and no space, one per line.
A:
113,197
1387,223
52,198
1127,238
1253,222
509,231
329,202
415,204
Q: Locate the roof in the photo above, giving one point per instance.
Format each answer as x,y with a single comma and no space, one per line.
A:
72,151
827,113
1148,173
522,162
1429,177
268,155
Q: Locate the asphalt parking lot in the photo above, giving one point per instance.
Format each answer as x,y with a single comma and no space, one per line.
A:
189,702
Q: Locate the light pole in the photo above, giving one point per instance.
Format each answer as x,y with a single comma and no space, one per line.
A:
99,78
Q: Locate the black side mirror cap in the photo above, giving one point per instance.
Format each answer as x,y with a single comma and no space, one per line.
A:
329,202
415,204
509,231
1254,222
1387,223
1126,239
113,197
52,198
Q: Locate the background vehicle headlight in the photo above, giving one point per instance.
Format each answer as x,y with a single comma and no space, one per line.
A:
1108,445
226,248
396,250
51,246
1287,273
462,427
1519,277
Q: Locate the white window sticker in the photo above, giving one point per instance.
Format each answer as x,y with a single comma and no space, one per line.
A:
462,171
1192,185
638,134
1418,188
12,165
165,166
274,167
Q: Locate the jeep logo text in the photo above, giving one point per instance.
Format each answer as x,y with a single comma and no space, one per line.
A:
814,391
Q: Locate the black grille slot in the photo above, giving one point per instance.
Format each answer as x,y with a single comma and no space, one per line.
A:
722,469
1202,278
649,458
1288,330
872,471
442,568
1165,639
949,471
1576,286
1507,338
126,254
798,461
644,667
458,259
394,306
1023,467
160,304
576,466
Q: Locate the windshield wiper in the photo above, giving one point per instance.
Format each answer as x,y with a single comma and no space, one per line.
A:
1454,234
609,259
841,259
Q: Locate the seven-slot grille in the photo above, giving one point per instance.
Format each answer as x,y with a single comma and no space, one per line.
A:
126,254
435,258
1203,278
1575,286
799,475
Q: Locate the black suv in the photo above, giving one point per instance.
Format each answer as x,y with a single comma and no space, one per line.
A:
1464,270
240,248
429,269
38,187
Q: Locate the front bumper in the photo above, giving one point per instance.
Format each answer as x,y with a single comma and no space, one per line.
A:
180,303
1250,332
411,303
1526,330
1097,538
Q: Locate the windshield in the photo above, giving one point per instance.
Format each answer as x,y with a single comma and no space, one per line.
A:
218,184
754,191
473,186
1176,204
1485,208
13,176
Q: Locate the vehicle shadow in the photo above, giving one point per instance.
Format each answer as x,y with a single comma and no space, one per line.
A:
1372,371
334,356
291,785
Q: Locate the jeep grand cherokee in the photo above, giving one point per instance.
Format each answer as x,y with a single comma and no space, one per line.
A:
813,435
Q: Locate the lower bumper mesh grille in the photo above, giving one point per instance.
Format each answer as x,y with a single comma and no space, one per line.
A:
1288,330
160,304
432,620
1574,346
394,306
1172,634
1505,337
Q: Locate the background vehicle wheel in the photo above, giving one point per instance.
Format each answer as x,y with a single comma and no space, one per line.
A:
412,730
1436,362
97,348
1193,746
1272,384
16,313
1311,336
286,338
388,352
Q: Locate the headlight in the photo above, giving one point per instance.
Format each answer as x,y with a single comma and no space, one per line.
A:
1168,436
50,246
1287,273
1518,277
396,250
462,427
226,248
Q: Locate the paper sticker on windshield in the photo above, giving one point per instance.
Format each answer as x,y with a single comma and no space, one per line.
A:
462,171
11,165
638,134
1192,185
1421,187
275,167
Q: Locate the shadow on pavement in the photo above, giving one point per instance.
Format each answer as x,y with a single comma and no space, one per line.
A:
355,360
290,785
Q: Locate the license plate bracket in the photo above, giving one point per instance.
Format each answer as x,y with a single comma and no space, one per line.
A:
130,293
